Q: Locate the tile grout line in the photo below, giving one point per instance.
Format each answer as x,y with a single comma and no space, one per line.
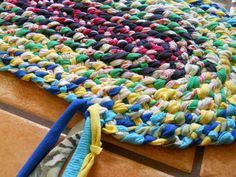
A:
197,163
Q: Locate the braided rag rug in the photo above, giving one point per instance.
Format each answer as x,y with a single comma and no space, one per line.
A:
159,72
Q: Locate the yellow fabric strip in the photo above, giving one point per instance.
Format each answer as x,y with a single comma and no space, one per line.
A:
95,147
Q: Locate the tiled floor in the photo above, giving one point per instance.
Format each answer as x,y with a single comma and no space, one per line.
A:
28,101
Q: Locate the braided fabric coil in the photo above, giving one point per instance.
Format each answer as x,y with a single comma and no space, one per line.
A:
163,72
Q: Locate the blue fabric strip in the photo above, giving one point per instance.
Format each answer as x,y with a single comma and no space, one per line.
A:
76,162
51,138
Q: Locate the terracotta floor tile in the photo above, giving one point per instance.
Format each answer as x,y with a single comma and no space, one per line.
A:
37,101
108,164
18,138
219,161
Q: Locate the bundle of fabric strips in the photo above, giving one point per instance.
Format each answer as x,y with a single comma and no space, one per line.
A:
159,72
